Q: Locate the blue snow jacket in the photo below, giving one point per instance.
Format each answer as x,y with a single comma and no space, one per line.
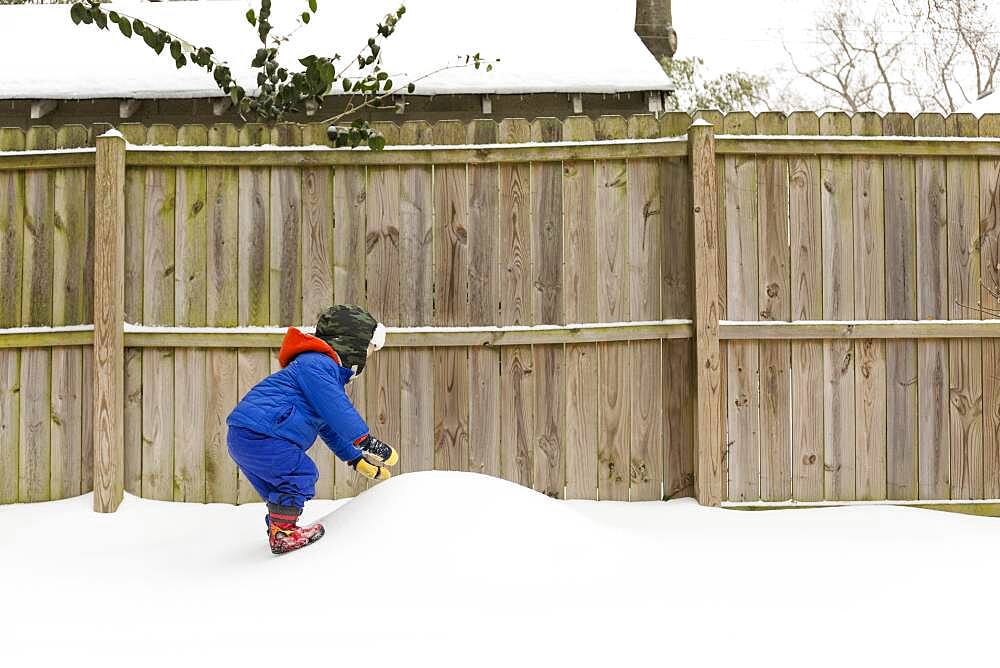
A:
304,399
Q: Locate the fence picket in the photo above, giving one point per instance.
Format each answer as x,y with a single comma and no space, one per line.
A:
934,435
869,304
517,403
965,388
989,230
580,302
900,303
837,202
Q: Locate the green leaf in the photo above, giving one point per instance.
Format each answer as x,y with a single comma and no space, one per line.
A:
259,58
101,19
387,85
114,16
87,17
306,17
175,49
376,142
180,61
313,5
347,84
308,61
139,27
411,88
76,12
125,27
252,17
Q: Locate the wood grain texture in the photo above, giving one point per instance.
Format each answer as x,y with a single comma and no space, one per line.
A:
836,203
517,402
901,302
742,275
69,259
774,292
965,389
549,456
614,420
190,308
135,206
806,239
451,305
869,304
384,277
484,298
252,366
12,204
677,300
285,230
644,250
36,309
10,421
416,252
221,309
989,230
934,449
158,308
349,274
580,303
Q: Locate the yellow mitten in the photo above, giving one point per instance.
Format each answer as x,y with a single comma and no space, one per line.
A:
369,470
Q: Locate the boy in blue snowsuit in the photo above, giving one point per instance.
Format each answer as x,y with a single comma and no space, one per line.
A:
279,418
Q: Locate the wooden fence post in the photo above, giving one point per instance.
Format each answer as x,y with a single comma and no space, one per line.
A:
109,307
708,432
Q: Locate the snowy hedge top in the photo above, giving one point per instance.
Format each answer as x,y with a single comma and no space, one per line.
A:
550,46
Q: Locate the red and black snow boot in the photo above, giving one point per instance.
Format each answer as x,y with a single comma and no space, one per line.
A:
283,532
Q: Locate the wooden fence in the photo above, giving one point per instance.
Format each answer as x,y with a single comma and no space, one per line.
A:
794,296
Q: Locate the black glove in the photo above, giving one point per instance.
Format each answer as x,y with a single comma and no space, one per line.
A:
378,452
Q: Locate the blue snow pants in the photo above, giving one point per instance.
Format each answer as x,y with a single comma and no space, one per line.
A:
280,471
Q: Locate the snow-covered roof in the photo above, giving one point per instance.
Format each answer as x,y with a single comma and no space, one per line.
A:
545,46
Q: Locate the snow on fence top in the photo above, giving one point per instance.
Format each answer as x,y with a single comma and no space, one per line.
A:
554,46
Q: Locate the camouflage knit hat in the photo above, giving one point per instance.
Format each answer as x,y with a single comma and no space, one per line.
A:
349,330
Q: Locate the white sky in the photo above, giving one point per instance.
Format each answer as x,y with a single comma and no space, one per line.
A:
747,34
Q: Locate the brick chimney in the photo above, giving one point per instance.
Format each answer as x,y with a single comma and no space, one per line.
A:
654,24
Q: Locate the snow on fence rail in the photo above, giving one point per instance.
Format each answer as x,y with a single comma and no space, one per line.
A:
846,367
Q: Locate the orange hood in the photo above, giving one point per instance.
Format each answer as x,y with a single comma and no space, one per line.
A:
296,343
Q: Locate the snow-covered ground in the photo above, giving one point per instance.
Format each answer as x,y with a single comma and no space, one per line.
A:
456,569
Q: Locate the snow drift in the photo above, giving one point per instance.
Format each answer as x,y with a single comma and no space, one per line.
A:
461,569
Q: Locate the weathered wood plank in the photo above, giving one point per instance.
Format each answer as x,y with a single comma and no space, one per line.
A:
774,292
285,283
742,275
614,419
135,206
451,307
12,203
549,456
35,426
222,265
676,273
484,297
517,402
644,249
837,202
384,276
158,308
349,274
10,421
68,261
932,302
36,309
190,308
416,254
901,302
806,238
869,304
580,303
989,230
965,389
